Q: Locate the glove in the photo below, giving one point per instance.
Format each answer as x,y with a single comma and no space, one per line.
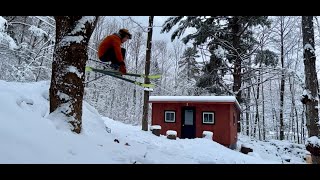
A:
123,69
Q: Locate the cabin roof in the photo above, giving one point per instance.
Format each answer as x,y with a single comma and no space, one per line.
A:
194,99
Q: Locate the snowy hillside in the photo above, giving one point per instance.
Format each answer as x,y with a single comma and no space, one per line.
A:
29,135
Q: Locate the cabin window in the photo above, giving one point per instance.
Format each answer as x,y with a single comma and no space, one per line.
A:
234,120
169,116
208,117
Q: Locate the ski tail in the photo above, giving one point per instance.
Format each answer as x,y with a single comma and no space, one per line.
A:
88,68
144,85
131,81
152,76
155,76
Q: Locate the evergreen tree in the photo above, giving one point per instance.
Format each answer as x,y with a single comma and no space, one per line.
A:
266,57
211,80
188,70
232,33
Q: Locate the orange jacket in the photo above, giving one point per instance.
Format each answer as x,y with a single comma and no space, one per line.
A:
111,41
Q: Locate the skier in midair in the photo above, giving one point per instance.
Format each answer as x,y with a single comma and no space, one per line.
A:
110,50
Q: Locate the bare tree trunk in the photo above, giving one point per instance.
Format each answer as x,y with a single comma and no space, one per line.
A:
274,113
256,118
282,78
147,80
289,126
22,36
247,103
275,122
68,67
257,101
303,125
293,106
263,110
41,62
311,80
177,51
297,124
292,130
39,71
136,54
237,61
256,114
248,112
252,124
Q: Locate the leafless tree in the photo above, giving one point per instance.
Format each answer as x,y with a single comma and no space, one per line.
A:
147,80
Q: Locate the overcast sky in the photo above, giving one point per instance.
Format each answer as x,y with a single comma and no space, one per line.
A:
157,23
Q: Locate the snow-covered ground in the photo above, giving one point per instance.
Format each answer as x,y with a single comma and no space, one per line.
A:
28,134
275,150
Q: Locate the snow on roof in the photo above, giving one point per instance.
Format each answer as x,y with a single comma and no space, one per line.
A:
194,99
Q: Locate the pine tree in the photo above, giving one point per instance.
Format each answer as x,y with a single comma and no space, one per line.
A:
188,70
232,33
211,79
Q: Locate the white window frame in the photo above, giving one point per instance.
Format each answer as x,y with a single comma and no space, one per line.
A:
212,113
165,116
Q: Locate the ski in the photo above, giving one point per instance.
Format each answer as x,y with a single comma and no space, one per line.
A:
119,77
152,76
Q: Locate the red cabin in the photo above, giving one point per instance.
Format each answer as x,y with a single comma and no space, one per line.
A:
190,116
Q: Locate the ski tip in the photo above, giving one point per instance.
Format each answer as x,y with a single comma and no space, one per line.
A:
88,68
156,76
148,85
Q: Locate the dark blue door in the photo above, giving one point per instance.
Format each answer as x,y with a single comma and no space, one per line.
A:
188,126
